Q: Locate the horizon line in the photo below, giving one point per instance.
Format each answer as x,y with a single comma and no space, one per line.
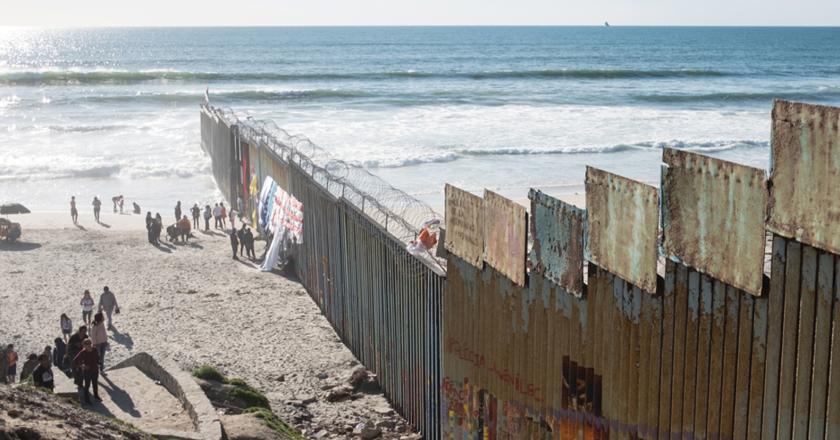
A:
602,25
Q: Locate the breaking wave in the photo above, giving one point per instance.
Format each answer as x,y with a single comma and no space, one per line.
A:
74,77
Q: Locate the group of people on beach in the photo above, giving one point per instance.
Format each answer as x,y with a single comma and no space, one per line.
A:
97,207
80,355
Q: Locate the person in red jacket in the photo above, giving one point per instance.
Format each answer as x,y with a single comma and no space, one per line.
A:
87,364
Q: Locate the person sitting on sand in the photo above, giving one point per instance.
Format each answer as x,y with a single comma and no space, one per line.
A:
136,207
196,214
234,242
28,366
178,211
11,363
86,363
59,351
66,326
217,216
207,215
43,375
74,213
108,303
184,227
223,215
97,205
87,307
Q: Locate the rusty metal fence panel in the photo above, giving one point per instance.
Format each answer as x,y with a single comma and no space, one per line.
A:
623,227
713,217
805,172
465,225
557,229
505,236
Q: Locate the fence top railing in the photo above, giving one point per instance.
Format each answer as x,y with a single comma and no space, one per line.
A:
396,211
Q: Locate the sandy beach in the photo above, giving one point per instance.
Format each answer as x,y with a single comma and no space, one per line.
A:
190,303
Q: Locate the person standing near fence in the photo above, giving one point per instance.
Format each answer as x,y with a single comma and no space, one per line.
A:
249,243
240,234
223,214
97,206
74,213
207,214
178,211
234,242
217,216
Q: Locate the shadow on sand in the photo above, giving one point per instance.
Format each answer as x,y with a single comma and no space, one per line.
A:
123,339
211,232
80,226
17,246
104,225
120,398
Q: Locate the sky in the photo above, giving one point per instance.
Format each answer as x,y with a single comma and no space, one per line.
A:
80,13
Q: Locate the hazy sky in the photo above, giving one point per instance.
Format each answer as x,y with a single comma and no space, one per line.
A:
417,12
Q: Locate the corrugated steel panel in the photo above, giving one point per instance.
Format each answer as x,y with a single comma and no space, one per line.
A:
464,225
557,229
805,174
713,217
505,236
623,217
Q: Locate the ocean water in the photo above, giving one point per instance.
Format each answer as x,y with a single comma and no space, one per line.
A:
115,111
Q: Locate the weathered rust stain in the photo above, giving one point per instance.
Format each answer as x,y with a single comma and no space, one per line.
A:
713,217
505,236
805,174
464,225
557,251
623,223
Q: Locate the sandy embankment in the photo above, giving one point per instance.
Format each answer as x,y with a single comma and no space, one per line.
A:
190,303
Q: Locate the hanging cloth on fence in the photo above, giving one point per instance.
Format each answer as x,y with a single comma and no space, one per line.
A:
427,238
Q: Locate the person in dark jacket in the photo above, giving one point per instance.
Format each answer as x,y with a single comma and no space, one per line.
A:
43,375
59,351
87,364
75,344
196,214
241,236
178,211
249,244
234,242
149,221
28,366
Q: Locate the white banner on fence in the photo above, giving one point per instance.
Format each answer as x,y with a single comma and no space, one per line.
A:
280,211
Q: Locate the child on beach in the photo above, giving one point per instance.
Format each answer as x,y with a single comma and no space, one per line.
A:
87,304
66,326
11,364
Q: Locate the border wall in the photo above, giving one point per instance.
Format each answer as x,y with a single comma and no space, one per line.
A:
708,307
383,302
680,330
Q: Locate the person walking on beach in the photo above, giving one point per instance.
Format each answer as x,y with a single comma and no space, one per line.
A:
97,205
115,200
178,211
217,216
66,326
234,242
121,201
207,215
108,303
11,364
87,307
136,207
43,375
99,338
249,244
74,345
232,217
87,363
28,366
196,214
74,213
59,351
223,215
